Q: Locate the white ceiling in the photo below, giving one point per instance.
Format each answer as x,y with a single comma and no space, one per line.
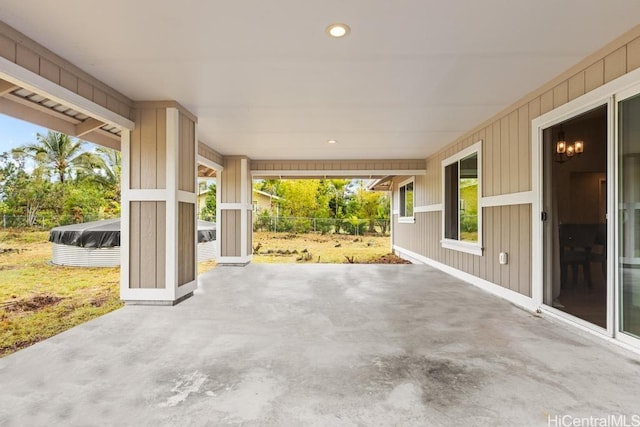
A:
266,81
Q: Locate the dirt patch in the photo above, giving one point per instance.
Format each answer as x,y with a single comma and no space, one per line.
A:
9,251
32,303
388,259
99,300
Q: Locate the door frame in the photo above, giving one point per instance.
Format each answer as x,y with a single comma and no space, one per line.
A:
557,116
608,94
620,96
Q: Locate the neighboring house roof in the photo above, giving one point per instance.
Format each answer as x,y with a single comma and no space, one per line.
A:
264,193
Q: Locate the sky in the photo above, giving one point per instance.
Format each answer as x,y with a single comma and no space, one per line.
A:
14,133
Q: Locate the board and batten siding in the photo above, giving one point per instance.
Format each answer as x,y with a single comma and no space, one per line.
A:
23,51
187,154
209,153
186,243
506,169
235,227
258,166
149,149
147,244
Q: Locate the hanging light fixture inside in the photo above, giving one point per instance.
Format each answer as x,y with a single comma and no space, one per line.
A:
565,151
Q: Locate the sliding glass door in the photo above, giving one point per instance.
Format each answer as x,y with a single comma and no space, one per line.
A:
629,215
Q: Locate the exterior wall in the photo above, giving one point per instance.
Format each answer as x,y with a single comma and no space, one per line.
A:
209,153
506,175
235,211
21,50
316,167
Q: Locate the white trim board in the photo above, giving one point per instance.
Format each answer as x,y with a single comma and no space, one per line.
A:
522,198
428,208
589,332
507,294
187,197
209,163
235,206
146,195
29,80
171,184
245,199
234,260
125,212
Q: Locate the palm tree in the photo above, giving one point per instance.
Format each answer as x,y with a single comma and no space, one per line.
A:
109,164
57,151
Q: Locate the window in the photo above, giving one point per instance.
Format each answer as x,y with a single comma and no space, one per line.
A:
406,201
462,218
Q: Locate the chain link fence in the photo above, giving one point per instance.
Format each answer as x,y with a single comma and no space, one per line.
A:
300,225
40,221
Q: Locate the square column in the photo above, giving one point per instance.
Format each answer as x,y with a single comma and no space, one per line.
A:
159,180
235,212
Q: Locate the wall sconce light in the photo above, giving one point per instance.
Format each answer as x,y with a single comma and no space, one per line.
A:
566,151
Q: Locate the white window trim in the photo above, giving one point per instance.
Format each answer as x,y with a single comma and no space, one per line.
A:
457,245
407,219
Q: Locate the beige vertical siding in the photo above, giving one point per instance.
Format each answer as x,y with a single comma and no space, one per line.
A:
186,154
336,165
186,244
506,168
149,149
147,244
21,50
232,222
187,171
230,243
210,154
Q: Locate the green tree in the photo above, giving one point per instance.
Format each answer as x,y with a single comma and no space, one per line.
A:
59,152
370,203
300,197
83,201
106,169
208,212
24,194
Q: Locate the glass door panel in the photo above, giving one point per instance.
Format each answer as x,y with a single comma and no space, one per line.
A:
629,214
575,230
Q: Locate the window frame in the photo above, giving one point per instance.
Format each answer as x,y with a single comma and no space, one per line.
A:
401,206
474,248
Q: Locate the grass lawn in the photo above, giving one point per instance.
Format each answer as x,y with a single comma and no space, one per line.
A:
313,248
38,299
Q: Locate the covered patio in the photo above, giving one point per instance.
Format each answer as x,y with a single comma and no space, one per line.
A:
320,345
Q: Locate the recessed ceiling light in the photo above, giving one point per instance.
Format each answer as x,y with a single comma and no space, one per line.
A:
338,30
331,141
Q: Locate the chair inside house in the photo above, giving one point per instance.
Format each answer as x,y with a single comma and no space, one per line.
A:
577,243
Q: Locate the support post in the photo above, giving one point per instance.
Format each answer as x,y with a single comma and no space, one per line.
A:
235,222
158,210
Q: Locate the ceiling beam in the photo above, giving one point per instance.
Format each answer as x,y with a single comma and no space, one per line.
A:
87,126
7,87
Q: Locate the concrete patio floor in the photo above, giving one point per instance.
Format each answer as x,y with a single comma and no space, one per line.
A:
320,345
